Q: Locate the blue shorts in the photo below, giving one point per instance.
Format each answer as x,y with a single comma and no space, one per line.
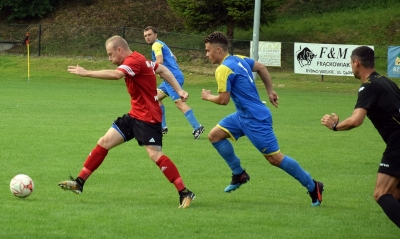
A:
167,89
260,133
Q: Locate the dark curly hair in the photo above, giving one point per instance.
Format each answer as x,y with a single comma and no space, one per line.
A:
218,38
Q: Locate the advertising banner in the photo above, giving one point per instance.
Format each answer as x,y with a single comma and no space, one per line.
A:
393,69
323,59
269,53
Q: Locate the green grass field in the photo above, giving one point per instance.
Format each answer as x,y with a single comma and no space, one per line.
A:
49,125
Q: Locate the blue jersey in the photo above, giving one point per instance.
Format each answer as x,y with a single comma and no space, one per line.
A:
235,75
160,48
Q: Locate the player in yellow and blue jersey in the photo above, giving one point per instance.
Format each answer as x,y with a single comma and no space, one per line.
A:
252,118
161,54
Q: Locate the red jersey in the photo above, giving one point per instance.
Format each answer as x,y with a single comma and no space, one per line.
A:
141,83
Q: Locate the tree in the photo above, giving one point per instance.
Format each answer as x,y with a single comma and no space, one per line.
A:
206,15
19,9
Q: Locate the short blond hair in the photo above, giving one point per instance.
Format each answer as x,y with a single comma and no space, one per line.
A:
116,42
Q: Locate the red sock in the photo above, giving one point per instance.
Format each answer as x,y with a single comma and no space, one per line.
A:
171,172
93,161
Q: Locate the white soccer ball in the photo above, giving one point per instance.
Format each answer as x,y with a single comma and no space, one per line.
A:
21,186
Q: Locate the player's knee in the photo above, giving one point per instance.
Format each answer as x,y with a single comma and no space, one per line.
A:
179,107
154,157
106,143
273,162
377,194
182,106
102,142
210,137
275,159
213,138
154,152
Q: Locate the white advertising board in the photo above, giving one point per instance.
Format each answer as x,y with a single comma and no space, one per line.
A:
269,53
323,59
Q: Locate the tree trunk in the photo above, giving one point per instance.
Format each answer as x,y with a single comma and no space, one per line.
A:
230,26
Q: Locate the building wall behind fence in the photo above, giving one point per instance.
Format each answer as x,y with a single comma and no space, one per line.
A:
88,41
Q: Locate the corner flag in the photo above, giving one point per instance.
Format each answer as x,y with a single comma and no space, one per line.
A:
26,42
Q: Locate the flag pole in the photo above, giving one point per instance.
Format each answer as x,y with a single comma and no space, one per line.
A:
27,48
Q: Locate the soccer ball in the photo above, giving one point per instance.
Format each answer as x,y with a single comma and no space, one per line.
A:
21,186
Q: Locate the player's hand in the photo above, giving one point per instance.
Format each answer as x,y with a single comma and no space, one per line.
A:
273,98
184,95
329,120
205,94
77,70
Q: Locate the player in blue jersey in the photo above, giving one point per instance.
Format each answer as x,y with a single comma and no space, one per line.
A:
252,118
161,54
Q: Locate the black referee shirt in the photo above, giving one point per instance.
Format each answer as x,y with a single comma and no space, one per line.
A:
381,98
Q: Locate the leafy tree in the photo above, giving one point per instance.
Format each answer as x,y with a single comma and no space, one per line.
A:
19,9
206,15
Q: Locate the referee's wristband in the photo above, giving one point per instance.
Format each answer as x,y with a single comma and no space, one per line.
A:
334,126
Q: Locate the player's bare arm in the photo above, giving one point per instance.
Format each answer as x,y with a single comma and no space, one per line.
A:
355,120
262,71
102,74
159,59
170,78
222,98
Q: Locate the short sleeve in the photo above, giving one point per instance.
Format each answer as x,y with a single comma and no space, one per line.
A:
366,96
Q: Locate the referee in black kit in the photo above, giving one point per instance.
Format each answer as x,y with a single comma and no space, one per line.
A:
379,99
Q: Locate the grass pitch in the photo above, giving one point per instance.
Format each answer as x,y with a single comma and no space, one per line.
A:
49,125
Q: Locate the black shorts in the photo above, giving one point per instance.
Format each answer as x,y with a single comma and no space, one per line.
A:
145,133
390,163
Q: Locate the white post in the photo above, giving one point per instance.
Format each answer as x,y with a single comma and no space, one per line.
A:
256,32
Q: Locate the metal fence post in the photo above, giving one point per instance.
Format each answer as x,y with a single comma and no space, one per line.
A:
39,38
123,32
231,48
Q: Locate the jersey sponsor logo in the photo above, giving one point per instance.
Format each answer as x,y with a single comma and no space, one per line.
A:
384,165
150,64
361,88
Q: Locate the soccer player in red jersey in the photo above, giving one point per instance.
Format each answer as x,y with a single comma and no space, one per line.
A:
143,121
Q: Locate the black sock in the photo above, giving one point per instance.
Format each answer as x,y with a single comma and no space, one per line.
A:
391,207
80,181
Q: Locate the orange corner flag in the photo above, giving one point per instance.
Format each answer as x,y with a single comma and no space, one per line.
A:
26,41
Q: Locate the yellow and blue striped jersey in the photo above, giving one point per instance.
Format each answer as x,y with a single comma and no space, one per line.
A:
235,75
160,48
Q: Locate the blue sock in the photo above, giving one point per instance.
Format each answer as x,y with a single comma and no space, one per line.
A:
163,122
225,149
192,119
293,168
